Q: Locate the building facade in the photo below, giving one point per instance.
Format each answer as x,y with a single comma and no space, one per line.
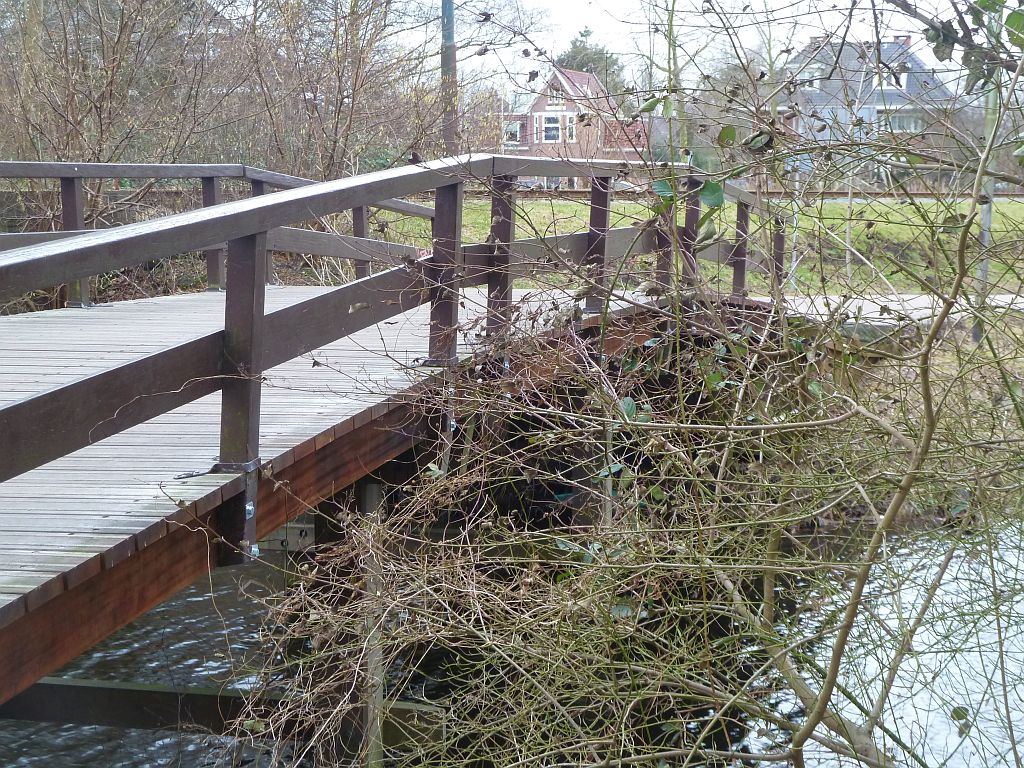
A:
571,115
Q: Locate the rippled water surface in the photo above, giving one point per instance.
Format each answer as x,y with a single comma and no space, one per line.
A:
191,640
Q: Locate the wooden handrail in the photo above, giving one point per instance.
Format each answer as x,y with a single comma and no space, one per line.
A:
284,181
43,265
17,169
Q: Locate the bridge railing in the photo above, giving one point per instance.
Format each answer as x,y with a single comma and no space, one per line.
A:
47,426
71,177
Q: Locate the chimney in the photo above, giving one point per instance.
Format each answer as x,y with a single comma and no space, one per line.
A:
903,40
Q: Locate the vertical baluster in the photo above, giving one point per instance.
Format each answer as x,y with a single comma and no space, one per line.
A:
240,405
778,253
360,228
664,242
72,215
214,256
738,258
595,261
499,279
444,310
691,218
257,188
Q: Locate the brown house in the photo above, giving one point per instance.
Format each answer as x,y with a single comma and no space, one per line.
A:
571,115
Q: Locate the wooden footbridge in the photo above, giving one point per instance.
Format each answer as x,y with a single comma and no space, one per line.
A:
144,442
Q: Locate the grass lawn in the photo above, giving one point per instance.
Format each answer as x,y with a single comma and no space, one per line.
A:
896,246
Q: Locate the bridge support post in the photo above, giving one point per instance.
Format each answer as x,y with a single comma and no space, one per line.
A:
503,227
778,255
597,242
738,257
360,228
240,403
444,308
665,242
214,256
257,188
370,501
691,218
72,216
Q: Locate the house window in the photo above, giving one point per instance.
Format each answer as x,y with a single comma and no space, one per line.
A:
900,122
552,129
556,98
512,132
570,129
816,79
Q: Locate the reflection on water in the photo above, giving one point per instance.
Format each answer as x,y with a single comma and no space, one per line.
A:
194,639
949,702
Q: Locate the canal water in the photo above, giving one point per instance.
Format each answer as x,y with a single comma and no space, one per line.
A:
958,701
195,639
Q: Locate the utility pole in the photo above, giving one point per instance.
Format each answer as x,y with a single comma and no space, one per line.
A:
449,82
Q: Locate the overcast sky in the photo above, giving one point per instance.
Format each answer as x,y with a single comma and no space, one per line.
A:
623,26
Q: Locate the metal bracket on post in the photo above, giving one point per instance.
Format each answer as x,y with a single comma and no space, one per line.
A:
240,398
444,308
597,242
72,215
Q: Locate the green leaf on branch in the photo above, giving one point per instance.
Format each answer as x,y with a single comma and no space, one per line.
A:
650,105
666,193
712,194
943,40
727,136
961,716
628,406
1015,27
621,610
759,141
911,159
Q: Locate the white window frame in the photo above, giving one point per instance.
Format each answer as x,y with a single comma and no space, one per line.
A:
911,123
536,129
547,124
556,98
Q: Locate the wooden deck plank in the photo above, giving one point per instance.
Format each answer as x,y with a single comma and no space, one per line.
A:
111,496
